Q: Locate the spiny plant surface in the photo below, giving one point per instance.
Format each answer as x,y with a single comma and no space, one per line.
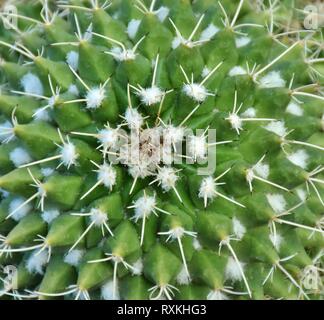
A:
79,76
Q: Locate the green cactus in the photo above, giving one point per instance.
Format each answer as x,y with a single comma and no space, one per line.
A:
113,183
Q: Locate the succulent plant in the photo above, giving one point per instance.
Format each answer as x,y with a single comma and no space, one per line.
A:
160,149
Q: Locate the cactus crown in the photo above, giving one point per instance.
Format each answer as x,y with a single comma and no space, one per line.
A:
113,183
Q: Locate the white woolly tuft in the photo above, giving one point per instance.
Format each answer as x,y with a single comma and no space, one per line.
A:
242,41
36,262
122,55
277,202
87,36
167,177
47,171
42,115
132,28
205,72
32,84
197,147
50,215
108,137
176,232
237,71
19,156
235,121
95,97
207,188
238,228
262,169
277,127
73,89
162,13
6,137
150,96
294,109
299,158
69,154
74,257
22,212
276,240
107,291
183,278
107,174
272,80
176,42
232,270
249,113
98,217
195,91
144,206
217,295
137,267
141,170
209,32
133,119
196,244
4,193
301,193
173,134
72,59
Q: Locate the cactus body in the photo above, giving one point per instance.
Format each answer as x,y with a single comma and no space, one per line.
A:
84,214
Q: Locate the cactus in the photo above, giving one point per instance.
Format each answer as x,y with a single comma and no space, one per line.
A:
108,112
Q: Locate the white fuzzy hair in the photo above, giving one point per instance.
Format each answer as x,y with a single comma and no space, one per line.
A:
73,89
150,96
237,71
162,13
294,109
69,154
209,32
196,244
36,261
42,115
272,80
262,169
217,295
195,91
74,257
49,215
95,97
22,212
19,156
133,119
232,270
107,291
46,172
72,59
138,267
238,228
302,194
197,146
299,158
276,240
108,175
249,113
277,202
183,278
242,41
132,28
277,127
32,84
